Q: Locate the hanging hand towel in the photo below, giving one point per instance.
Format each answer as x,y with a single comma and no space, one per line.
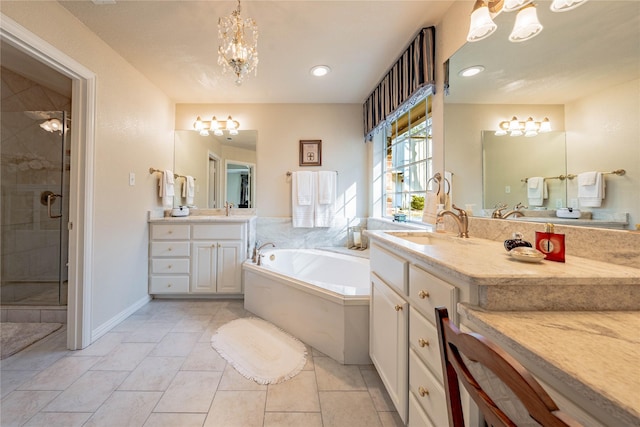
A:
304,190
302,215
325,208
536,190
166,186
430,208
591,189
189,189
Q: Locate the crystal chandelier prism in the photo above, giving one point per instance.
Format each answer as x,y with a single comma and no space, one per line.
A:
238,44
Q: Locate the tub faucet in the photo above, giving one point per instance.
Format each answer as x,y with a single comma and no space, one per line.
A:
258,255
461,219
227,206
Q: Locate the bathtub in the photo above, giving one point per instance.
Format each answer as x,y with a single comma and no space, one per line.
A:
318,296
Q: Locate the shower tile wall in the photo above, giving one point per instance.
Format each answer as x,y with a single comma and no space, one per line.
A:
30,165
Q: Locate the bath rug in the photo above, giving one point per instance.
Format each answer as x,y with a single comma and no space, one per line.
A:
18,336
259,350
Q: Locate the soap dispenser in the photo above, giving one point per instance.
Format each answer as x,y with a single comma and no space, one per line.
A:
550,244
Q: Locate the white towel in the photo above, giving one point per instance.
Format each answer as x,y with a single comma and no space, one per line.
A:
591,195
305,187
430,208
166,188
325,207
188,189
536,190
302,215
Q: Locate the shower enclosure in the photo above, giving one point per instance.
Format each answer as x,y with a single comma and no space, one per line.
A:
35,165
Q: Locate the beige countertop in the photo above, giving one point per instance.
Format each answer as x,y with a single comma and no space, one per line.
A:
504,283
594,355
203,218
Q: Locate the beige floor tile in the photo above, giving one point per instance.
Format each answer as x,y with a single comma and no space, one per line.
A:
58,419
37,357
61,374
153,374
377,390
331,375
151,331
204,358
193,323
348,409
390,419
237,409
298,394
11,380
190,391
125,357
176,344
175,420
292,419
18,407
232,380
103,346
125,408
88,393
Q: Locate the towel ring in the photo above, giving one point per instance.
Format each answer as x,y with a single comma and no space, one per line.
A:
437,178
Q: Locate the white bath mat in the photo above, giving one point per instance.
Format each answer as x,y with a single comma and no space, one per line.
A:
259,350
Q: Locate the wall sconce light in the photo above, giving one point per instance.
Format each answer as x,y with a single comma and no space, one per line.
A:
528,128
526,25
216,126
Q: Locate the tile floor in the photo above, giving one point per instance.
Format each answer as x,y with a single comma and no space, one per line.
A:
157,368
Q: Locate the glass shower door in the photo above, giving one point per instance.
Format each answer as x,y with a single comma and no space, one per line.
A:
35,190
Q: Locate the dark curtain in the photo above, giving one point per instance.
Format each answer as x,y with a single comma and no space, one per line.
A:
412,71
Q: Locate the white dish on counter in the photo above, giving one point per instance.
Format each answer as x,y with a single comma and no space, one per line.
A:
525,254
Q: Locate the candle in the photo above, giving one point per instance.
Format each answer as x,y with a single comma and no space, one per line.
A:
357,240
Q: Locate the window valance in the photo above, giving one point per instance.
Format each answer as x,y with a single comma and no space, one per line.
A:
411,72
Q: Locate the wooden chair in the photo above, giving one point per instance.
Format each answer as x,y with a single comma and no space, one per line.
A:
505,392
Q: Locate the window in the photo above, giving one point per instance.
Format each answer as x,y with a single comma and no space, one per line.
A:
408,162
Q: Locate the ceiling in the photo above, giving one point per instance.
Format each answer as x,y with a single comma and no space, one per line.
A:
174,44
587,49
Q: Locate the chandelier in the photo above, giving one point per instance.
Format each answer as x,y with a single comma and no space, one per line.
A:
216,126
235,52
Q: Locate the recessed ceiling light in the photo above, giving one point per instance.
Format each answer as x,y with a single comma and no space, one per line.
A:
471,71
320,70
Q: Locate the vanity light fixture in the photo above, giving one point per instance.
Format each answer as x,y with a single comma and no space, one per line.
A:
237,52
528,128
526,25
471,71
216,126
320,70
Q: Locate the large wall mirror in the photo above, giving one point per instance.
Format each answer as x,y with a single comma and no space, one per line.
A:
582,71
223,167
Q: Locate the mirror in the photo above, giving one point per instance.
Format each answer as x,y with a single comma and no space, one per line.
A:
215,163
582,73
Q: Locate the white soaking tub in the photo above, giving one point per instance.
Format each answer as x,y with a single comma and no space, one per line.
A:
318,296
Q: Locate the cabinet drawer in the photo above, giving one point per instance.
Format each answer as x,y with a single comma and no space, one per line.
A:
427,390
218,231
169,249
417,417
170,265
423,337
428,292
390,268
169,284
170,231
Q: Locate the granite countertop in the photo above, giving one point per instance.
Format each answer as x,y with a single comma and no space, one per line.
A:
203,218
504,283
594,355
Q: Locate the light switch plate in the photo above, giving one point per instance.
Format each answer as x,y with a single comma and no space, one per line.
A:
132,178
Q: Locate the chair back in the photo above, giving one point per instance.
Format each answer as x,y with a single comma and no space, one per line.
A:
505,392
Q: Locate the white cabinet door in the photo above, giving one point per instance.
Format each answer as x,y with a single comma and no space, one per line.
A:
204,257
229,277
389,345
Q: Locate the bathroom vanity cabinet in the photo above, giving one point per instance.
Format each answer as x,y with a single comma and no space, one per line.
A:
412,273
197,256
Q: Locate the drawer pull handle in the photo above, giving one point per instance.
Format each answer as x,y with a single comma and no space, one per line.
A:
398,307
423,294
423,391
170,231
423,342
170,249
169,266
169,285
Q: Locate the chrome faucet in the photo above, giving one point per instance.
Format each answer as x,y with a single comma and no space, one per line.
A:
461,219
227,206
257,255
515,211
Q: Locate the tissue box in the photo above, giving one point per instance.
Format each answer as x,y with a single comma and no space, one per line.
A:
568,213
181,211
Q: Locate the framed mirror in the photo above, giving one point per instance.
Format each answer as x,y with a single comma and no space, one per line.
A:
582,72
206,158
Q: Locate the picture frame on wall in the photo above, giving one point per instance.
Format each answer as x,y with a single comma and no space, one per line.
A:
311,152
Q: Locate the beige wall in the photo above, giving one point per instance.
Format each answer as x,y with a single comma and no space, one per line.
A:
133,132
280,128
